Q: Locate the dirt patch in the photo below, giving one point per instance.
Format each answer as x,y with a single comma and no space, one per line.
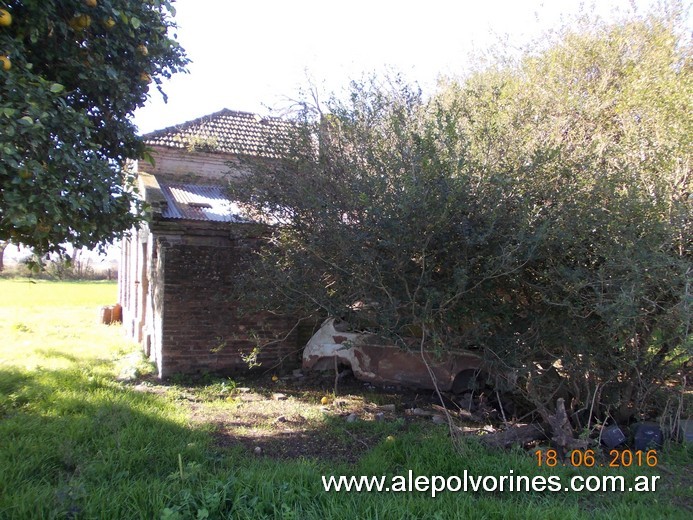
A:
304,421
300,417
300,442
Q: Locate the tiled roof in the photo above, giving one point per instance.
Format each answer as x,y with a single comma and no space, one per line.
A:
240,133
195,202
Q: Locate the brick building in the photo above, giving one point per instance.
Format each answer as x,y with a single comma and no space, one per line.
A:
177,273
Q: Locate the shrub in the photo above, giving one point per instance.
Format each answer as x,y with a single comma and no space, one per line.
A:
537,210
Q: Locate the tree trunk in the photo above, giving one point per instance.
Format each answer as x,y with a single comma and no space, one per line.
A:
562,430
3,245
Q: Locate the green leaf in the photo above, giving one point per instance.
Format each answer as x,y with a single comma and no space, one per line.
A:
73,144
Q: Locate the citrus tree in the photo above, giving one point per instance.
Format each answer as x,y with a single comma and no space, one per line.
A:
72,72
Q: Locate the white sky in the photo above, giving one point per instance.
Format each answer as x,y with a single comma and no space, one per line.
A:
250,55
253,54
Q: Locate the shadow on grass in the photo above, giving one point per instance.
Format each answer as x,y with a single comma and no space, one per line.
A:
57,354
73,443
256,420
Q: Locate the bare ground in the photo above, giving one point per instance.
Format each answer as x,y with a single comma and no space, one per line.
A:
301,417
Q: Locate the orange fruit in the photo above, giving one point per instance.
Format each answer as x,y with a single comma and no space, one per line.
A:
109,23
6,63
80,22
142,49
90,3
5,18
146,78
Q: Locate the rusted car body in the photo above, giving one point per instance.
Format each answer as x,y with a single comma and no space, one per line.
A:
387,364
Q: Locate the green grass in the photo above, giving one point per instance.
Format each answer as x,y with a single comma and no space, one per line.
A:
77,443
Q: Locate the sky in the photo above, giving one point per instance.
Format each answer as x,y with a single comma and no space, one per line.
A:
255,55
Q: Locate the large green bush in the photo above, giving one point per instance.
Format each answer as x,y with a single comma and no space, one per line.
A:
537,210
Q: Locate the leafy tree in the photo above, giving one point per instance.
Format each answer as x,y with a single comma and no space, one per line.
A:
73,72
537,210
594,136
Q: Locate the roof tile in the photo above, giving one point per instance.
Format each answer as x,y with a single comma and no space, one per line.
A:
227,131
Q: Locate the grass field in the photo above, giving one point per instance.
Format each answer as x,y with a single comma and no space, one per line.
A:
77,442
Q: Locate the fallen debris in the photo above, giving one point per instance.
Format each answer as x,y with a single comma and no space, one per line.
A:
612,436
520,434
647,436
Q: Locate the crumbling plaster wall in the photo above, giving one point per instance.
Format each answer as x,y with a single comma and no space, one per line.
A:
180,165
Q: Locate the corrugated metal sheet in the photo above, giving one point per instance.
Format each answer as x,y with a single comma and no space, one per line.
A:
194,202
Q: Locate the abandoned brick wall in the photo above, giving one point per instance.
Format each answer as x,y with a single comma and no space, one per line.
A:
202,329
